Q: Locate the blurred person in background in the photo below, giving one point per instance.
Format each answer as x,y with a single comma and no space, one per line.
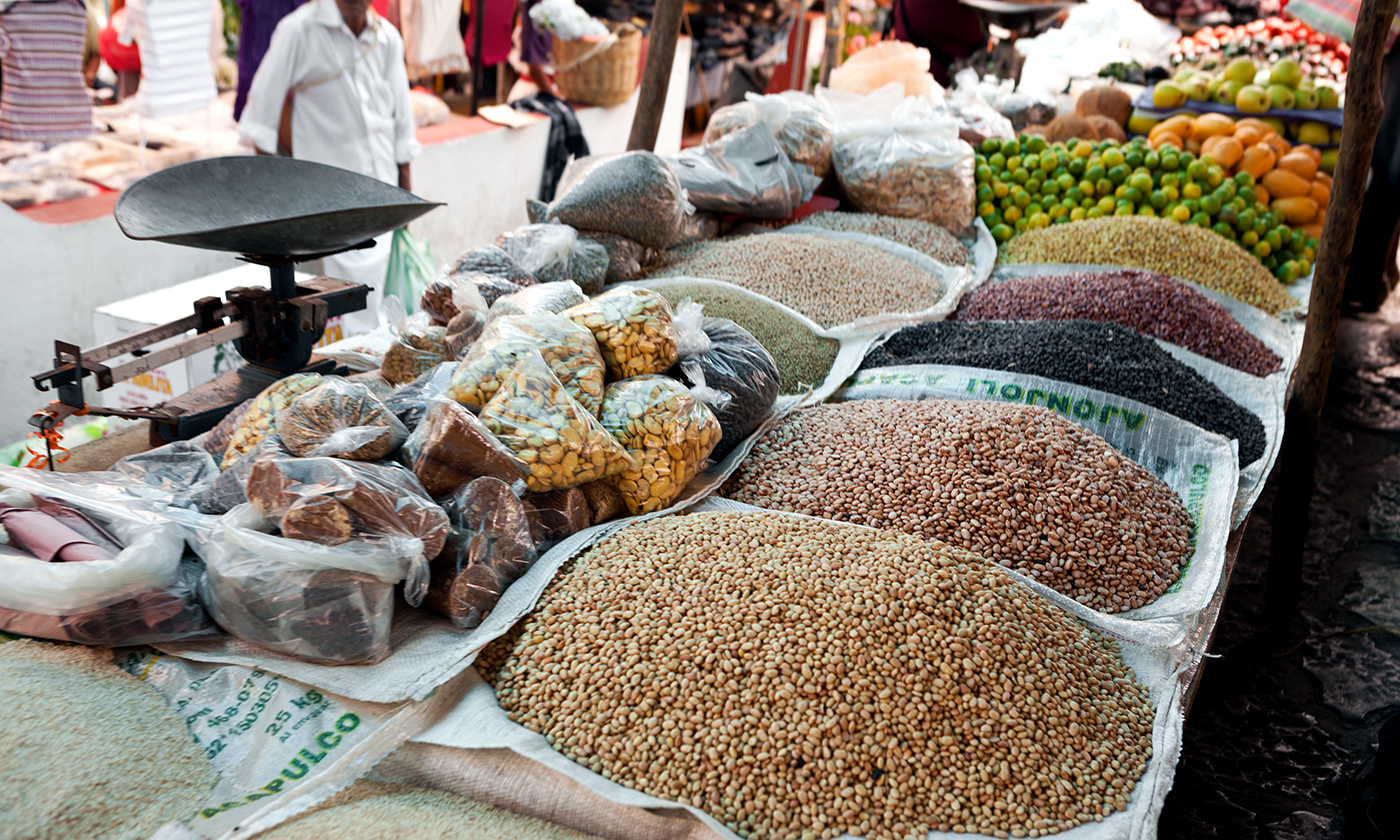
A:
946,28
42,96
257,20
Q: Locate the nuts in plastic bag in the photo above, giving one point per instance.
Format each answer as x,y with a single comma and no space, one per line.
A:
554,253
667,431
801,128
451,447
911,164
257,421
633,330
546,298
420,347
488,549
321,603
633,194
410,402
330,501
490,261
625,257
217,440
568,349
556,437
380,387
728,370
556,515
447,297
340,419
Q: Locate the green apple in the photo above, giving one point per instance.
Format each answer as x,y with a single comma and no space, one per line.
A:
1141,122
1329,161
1215,83
1287,73
1281,97
1168,95
1228,91
1336,135
1277,124
1183,73
1240,70
1252,99
1197,88
1314,133
1306,98
1327,97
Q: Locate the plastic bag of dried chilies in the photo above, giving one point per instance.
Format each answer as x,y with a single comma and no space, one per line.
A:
558,438
488,548
633,330
555,252
668,432
340,419
418,347
633,194
906,162
65,575
798,122
568,348
451,447
319,602
330,501
728,370
747,175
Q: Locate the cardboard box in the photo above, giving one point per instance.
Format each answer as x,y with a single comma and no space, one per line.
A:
142,312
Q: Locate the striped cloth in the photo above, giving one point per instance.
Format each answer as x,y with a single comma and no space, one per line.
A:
43,97
177,73
1334,17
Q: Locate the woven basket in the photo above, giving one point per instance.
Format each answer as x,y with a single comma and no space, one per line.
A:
602,77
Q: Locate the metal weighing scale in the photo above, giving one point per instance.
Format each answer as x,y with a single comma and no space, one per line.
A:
274,212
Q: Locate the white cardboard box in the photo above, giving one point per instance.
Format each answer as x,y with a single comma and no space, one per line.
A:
142,312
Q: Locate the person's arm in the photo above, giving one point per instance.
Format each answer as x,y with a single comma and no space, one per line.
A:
263,112
541,79
406,146
405,182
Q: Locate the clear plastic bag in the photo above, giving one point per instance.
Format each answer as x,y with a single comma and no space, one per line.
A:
183,469
668,432
556,515
258,421
362,352
555,253
974,112
625,257
546,298
633,194
728,370
410,402
138,595
911,164
451,447
330,501
558,438
230,489
340,419
568,348
418,345
633,330
798,122
747,175
698,227
322,603
217,440
448,296
888,61
492,262
378,386
488,549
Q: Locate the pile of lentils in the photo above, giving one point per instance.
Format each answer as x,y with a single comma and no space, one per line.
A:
1105,357
831,281
1186,251
799,678
924,237
1021,486
804,358
1153,304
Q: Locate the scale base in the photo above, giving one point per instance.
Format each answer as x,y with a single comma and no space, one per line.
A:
201,408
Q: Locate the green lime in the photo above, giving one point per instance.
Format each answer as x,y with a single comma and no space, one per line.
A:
983,173
1031,162
997,161
1023,199
1171,162
1074,194
1000,233
1210,205
990,146
1152,160
1103,186
1050,188
1262,249
1133,194
1157,199
1119,173
1020,176
1142,182
1287,273
1181,213
1036,144
1107,204
1077,167
1033,184
1200,220
1249,238
1197,171
1193,205
1096,172
1133,158
1113,157
1224,230
1093,213
1010,147
1022,224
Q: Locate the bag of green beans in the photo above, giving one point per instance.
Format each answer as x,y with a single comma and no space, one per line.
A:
633,194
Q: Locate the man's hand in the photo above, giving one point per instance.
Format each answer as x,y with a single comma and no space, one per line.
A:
405,183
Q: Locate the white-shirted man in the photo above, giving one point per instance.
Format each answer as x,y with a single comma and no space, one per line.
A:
339,69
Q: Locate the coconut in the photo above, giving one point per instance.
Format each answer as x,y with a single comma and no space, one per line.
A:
1108,101
1107,128
1068,125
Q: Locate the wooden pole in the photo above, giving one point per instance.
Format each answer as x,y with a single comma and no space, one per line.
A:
837,11
656,75
1361,120
477,70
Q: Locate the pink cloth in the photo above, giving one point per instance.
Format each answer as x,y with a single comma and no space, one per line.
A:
48,539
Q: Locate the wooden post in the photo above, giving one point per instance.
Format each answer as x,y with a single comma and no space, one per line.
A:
656,75
477,70
835,37
1298,455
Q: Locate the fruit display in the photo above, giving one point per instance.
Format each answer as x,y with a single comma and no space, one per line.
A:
1270,40
1305,109
1032,183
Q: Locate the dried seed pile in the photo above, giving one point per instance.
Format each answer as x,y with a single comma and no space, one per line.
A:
89,750
804,359
1186,251
370,810
1153,304
1021,486
1105,357
924,237
799,678
828,280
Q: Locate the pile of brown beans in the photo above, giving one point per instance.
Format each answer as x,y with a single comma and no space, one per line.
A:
796,678
1154,304
1018,484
